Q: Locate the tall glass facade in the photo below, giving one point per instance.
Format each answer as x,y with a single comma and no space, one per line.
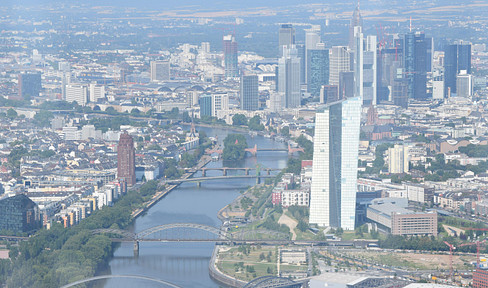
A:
334,176
19,214
318,70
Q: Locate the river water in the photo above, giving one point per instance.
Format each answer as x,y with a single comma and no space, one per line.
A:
186,264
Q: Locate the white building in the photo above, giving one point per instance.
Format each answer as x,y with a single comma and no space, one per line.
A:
96,92
78,93
398,159
295,198
339,62
71,133
464,84
220,102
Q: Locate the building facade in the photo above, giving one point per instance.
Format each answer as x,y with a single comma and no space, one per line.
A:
289,77
160,71
249,92
126,166
230,57
334,173
317,70
19,214
457,57
77,93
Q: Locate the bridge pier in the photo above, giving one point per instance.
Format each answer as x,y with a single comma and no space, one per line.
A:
269,171
258,180
136,249
199,184
225,172
204,172
247,171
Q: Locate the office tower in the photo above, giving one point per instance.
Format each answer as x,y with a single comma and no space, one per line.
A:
205,47
160,71
335,160
126,165
286,37
220,102
64,66
29,85
356,21
289,77
318,69
329,93
464,84
369,71
249,92
438,88
398,159
312,39
192,98
457,57
96,92
275,101
346,85
77,93
230,57
19,214
417,64
389,63
358,61
302,56
205,102
339,62
399,93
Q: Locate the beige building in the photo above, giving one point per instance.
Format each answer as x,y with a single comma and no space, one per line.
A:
398,159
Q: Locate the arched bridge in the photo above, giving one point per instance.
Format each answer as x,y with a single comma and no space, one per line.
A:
191,232
272,282
165,284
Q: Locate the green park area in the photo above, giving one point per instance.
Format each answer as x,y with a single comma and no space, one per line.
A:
249,262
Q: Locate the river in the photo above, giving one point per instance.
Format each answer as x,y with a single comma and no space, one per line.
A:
186,264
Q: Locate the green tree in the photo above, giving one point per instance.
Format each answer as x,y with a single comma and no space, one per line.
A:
285,131
239,119
255,123
186,117
234,147
11,113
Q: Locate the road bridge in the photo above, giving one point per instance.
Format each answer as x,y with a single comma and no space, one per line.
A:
200,179
254,150
245,169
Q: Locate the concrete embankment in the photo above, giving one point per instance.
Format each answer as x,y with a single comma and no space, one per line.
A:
221,277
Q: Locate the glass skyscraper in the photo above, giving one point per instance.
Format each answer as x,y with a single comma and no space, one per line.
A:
230,57
289,77
318,70
335,160
249,92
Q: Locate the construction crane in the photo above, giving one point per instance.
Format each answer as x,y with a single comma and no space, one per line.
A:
478,245
451,251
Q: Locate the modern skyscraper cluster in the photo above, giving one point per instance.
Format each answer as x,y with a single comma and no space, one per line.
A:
457,58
